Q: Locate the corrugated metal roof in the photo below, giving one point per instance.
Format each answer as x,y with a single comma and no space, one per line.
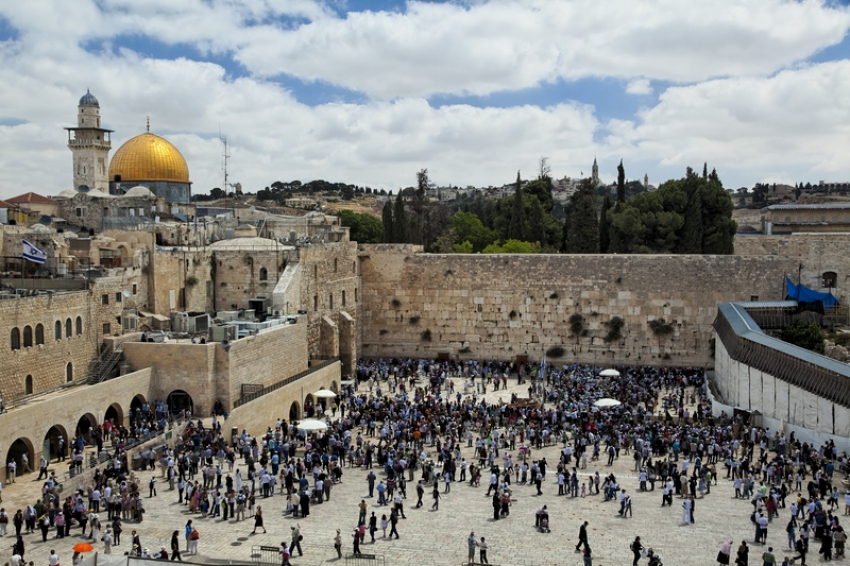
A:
825,206
768,304
744,326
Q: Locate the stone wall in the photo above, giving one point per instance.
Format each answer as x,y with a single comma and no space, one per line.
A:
256,416
211,372
47,364
504,306
62,411
813,255
242,274
182,279
330,284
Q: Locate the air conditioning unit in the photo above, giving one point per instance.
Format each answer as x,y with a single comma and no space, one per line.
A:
277,313
221,332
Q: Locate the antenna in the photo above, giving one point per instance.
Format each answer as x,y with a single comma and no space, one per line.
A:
225,155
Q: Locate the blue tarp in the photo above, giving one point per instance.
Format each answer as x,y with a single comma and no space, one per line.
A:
803,294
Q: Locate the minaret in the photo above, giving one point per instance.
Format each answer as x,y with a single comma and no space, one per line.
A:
595,174
90,145
646,181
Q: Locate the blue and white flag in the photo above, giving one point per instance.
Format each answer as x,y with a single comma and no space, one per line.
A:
33,253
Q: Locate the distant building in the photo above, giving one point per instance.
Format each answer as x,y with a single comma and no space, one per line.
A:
789,218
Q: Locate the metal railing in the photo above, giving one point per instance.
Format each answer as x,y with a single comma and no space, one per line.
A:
283,382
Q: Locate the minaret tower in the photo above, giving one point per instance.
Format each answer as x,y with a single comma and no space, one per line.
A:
90,145
595,174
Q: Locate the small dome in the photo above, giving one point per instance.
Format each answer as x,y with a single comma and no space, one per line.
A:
67,193
139,192
88,99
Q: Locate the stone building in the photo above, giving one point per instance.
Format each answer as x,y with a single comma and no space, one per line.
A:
90,144
791,218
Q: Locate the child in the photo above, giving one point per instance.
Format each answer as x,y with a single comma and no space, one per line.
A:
583,489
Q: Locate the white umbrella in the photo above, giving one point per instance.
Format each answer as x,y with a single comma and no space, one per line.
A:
324,393
609,373
607,403
347,382
312,424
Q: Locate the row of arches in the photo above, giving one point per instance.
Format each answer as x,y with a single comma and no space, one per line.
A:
35,336
49,447
310,401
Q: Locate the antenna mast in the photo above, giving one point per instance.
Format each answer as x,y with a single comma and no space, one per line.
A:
224,157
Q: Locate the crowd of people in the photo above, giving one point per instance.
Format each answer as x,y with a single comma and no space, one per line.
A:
431,425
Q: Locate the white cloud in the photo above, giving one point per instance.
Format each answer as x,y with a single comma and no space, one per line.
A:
639,86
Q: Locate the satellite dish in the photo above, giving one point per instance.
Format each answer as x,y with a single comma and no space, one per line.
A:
252,209
126,293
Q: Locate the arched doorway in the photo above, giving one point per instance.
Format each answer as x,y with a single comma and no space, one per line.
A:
309,405
69,372
114,414
17,449
51,447
179,401
294,412
334,387
84,427
136,406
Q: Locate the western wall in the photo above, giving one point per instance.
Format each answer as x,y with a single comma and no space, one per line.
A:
509,306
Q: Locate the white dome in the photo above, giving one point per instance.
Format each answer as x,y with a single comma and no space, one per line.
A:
67,193
139,192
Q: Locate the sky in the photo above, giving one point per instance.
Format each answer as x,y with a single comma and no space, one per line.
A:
369,92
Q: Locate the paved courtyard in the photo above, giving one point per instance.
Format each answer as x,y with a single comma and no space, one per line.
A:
439,537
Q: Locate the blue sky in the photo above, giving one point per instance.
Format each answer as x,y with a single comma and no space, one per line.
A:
369,92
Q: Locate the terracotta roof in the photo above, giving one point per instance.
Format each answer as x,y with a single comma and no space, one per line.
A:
4,204
32,197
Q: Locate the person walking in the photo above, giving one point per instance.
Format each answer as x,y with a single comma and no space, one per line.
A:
587,555
393,524
188,531
285,554
436,496
175,547
724,553
420,492
636,547
296,539
482,551
582,537
258,520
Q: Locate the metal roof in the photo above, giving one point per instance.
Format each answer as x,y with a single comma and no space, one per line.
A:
768,304
824,206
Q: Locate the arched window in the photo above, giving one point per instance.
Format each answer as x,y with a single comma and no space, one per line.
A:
58,330
264,274
69,372
39,334
79,326
16,339
829,279
68,328
27,336
28,385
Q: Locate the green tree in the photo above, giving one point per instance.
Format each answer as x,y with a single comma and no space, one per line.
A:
517,228
468,227
621,183
604,228
401,228
536,227
512,247
464,247
583,234
542,190
807,335
691,239
718,228
365,228
388,234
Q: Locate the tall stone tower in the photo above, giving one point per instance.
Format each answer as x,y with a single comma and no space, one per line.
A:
90,145
595,172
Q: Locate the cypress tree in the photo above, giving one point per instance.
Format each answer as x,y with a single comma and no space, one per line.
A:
401,229
583,237
621,183
604,229
518,228
536,228
691,241
387,218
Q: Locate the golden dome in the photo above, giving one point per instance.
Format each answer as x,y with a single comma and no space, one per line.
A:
148,157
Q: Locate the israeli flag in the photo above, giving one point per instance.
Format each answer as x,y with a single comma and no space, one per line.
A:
33,253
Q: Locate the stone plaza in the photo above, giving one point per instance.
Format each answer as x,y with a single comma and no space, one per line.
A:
439,537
